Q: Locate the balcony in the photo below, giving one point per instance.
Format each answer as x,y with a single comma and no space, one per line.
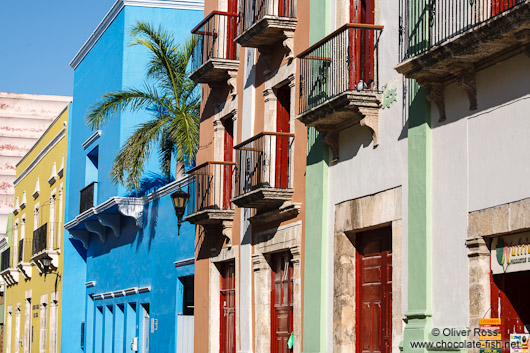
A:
211,191
264,171
87,197
339,85
25,252
442,41
9,274
45,243
263,23
215,57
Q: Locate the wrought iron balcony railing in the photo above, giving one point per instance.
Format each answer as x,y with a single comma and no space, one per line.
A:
215,38
25,248
87,197
428,23
40,239
345,60
255,10
6,257
263,162
212,187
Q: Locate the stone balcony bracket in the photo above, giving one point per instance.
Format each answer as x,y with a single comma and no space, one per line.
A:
25,269
268,31
37,259
106,219
457,59
288,210
216,73
344,111
211,219
10,276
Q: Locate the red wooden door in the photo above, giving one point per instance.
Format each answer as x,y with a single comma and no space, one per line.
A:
374,291
510,301
281,302
282,142
361,44
231,30
228,308
228,157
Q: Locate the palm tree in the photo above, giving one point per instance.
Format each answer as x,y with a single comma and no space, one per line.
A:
169,94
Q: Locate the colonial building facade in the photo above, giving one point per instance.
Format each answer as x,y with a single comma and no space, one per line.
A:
32,266
250,185
467,65
129,279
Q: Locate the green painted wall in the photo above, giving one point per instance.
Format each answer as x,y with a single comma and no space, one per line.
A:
315,279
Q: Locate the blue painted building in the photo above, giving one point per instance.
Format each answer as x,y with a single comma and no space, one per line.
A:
128,276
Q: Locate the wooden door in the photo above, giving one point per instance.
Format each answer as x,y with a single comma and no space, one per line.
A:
228,308
361,49
228,157
510,303
284,8
282,142
281,302
231,30
374,291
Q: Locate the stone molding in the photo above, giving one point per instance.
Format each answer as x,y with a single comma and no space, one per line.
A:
501,219
372,211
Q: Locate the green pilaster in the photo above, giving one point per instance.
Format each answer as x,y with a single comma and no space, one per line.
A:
315,278
419,312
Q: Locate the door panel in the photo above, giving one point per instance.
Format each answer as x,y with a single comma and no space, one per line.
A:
228,308
374,290
281,302
228,157
231,32
282,143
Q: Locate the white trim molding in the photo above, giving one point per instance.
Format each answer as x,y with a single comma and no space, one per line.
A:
89,141
185,262
41,155
121,293
114,12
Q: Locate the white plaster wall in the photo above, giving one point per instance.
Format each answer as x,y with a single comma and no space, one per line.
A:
364,170
479,159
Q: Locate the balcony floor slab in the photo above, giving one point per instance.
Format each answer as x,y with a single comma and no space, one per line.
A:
214,70
266,32
263,198
210,216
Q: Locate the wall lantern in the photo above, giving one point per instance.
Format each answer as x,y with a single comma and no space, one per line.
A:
46,263
179,202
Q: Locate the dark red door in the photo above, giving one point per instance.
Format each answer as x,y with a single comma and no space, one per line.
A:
281,302
284,8
228,157
228,308
282,142
510,301
361,44
374,291
231,30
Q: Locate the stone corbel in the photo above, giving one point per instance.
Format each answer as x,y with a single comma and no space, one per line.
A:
331,138
296,254
265,57
232,83
226,229
288,44
82,235
133,210
435,94
466,80
97,228
371,121
259,262
524,38
111,221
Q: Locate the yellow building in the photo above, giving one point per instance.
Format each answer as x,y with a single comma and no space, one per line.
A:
32,271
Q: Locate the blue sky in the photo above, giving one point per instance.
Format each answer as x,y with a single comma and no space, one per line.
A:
38,40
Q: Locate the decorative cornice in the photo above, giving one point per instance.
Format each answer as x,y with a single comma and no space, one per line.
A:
90,284
115,10
121,292
41,155
186,262
96,135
